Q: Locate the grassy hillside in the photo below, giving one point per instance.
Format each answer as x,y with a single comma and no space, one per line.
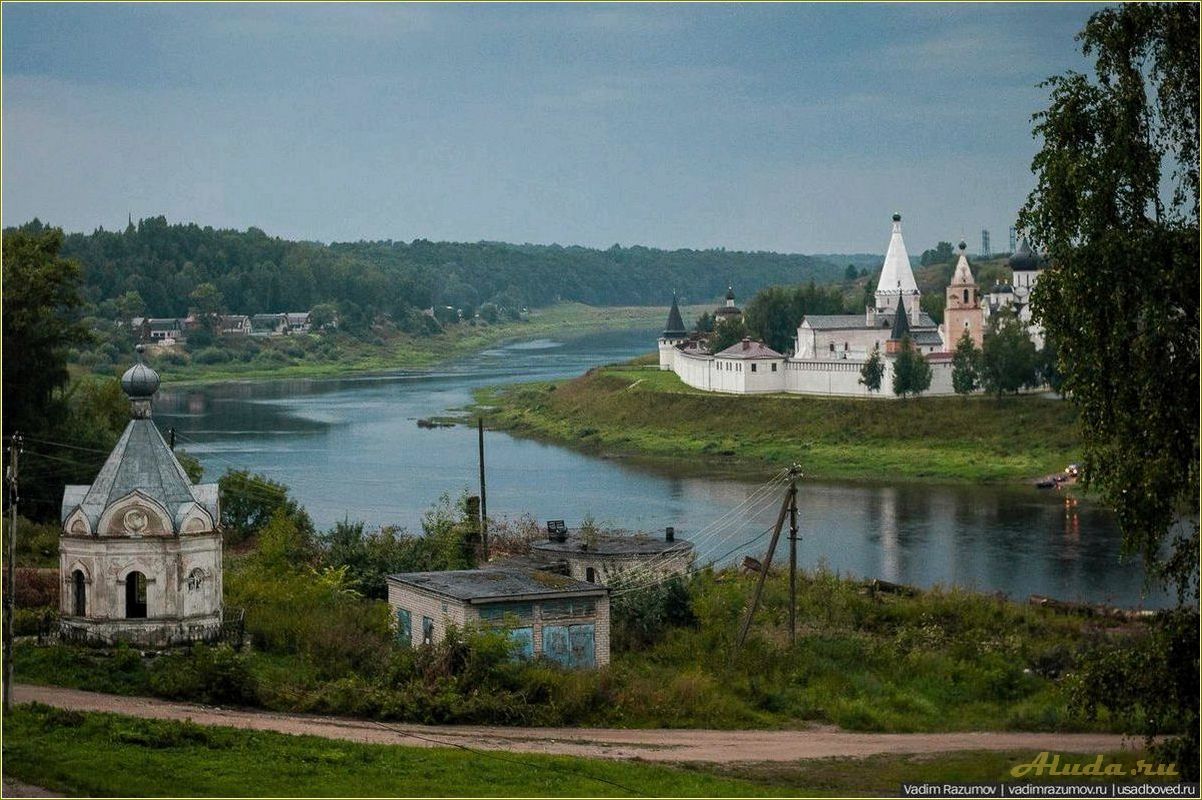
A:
637,409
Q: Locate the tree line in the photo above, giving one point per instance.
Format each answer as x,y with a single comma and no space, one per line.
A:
157,266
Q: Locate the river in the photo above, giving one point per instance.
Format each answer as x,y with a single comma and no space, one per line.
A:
351,448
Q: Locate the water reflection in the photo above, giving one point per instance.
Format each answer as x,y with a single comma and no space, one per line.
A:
351,448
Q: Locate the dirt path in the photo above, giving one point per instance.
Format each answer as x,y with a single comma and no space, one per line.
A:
651,745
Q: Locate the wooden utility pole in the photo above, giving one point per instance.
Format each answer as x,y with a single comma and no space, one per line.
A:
759,586
793,557
14,449
483,495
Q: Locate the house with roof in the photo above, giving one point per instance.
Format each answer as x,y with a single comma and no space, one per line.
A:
234,324
160,330
140,550
297,321
545,615
601,556
269,324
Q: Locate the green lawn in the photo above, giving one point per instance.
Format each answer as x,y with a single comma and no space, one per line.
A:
636,409
112,755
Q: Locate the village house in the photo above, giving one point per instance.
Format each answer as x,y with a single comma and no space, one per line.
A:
235,325
160,330
297,321
599,557
546,615
269,324
140,552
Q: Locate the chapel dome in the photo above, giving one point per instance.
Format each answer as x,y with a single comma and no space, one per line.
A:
140,380
1023,259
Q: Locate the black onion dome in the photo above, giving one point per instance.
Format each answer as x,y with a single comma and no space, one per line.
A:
1023,259
140,380
730,293
896,217
963,246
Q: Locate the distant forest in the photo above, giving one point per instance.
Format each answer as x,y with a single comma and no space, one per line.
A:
257,273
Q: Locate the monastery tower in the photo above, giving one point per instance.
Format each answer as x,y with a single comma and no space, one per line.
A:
897,278
964,312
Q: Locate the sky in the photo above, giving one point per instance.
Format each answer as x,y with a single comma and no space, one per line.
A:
794,128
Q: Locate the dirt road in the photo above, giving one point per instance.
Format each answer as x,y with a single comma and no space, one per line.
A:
651,745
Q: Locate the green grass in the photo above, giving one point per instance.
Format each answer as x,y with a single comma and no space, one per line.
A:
114,755
884,774
636,409
300,356
941,660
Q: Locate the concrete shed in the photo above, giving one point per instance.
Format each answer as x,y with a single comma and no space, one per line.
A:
547,615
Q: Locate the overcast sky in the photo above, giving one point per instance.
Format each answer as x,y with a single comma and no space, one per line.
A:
796,128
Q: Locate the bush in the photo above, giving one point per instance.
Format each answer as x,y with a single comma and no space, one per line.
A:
210,675
29,621
641,616
36,588
211,355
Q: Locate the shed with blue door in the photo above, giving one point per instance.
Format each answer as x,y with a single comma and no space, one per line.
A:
547,615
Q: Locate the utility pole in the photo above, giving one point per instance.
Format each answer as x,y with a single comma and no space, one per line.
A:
759,586
14,449
171,439
793,557
483,495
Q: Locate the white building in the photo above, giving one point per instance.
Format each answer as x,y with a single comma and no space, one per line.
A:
140,553
829,349
546,615
1026,266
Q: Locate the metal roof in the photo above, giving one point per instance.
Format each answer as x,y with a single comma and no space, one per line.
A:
884,319
675,321
749,349
141,462
482,585
607,544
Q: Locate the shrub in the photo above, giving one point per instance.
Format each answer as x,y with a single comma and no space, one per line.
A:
211,675
211,355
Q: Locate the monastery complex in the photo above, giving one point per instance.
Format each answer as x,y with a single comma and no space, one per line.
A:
829,350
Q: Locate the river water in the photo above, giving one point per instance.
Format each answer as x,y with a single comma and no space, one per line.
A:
351,448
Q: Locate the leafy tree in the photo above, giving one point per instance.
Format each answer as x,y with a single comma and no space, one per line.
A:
726,333
249,501
322,316
966,360
911,372
1116,210
130,305
851,273
371,557
1008,358
41,301
207,303
774,313
705,323
873,370
941,254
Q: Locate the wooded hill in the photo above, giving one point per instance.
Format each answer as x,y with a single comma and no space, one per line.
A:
255,273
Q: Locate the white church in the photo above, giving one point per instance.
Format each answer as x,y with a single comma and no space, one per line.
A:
829,350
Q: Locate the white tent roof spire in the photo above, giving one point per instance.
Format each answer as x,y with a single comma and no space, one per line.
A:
896,277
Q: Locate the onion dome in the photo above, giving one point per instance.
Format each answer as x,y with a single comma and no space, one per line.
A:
140,382
962,246
730,293
1023,259
896,217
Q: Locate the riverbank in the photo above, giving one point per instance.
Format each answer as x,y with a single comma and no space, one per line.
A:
334,354
635,409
